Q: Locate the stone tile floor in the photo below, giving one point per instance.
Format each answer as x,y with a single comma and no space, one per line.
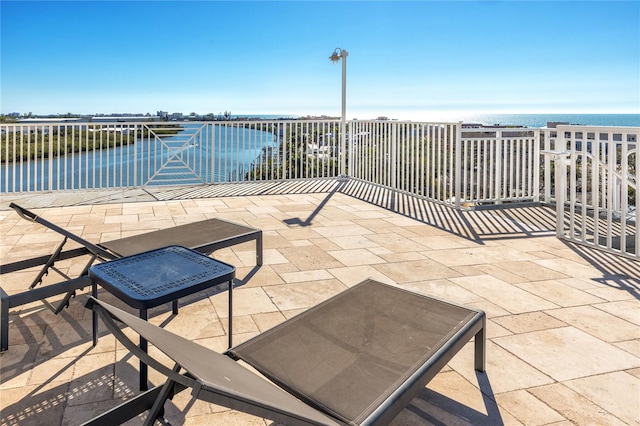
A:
563,320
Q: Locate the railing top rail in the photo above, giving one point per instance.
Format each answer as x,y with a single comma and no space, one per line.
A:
219,122
407,122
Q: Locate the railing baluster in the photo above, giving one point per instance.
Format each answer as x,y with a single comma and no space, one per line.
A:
441,162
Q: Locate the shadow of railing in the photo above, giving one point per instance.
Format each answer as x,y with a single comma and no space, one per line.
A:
517,221
475,225
76,400
618,272
73,328
309,220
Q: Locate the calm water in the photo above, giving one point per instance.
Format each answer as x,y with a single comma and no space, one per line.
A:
528,120
540,120
182,159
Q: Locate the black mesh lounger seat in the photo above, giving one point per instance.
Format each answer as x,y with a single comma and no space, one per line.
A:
205,236
356,359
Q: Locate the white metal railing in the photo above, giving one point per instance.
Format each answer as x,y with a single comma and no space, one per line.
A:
592,174
596,177
500,165
445,163
78,156
439,161
417,158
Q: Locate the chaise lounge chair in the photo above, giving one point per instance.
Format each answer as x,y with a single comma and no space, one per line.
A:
356,359
204,236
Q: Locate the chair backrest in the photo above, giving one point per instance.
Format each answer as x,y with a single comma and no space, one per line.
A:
31,216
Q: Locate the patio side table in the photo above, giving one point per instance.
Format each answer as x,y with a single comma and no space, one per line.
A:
149,279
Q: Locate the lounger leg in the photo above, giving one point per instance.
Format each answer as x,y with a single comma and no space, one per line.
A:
52,259
480,346
4,320
230,314
127,410
259,249
144,372
175,307
94,314
158,406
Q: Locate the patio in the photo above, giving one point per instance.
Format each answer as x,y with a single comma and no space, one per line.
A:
563,320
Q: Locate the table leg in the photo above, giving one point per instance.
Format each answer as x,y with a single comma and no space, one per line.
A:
259,249
94,314
230,313
143,367
4,320
480,346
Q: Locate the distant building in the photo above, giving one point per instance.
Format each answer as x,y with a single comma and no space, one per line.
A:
554,124
489,126
36,120
123,119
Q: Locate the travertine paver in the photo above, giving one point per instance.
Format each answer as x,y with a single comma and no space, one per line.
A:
600,324
604,390
563,323
527,408
557,292
513,299
415,270
574,406
567,353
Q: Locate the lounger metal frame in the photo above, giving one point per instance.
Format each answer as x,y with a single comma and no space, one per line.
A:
244,400
100,252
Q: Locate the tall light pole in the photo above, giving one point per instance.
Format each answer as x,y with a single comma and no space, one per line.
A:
338,54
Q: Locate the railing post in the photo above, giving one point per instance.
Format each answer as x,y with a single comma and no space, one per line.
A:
135,155
348,148
498,176
353,158
394,155
561,191
212,145
287,135
50,159
457,172
560,161
535,159
547,173
343,147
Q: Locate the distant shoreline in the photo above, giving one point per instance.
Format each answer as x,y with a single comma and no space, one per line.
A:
526,120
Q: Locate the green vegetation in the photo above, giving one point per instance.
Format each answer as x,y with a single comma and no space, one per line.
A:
290,160
8,119
36,143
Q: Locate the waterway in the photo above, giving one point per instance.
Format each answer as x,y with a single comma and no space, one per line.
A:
201,153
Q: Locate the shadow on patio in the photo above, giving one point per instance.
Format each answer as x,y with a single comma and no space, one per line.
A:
563,328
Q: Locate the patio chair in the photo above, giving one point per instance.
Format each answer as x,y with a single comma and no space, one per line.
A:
204,236
358,358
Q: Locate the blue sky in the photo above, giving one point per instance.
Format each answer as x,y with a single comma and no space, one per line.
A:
407,60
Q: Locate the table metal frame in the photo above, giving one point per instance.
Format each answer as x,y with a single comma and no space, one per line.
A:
142,282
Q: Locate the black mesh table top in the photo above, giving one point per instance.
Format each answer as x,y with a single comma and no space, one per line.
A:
155,277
